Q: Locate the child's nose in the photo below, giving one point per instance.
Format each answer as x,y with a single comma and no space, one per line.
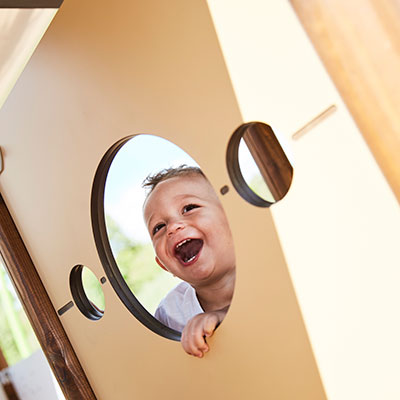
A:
174,227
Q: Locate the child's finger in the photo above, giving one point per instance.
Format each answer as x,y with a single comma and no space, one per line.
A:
196,350
193,340
196,342
196,331
209,325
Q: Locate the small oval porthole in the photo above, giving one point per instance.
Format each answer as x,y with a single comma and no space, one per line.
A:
87,292
257,165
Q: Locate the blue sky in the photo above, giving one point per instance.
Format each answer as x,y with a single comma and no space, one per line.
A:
124,196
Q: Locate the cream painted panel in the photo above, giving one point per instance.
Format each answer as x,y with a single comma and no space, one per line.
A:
274,70
102,73
339,225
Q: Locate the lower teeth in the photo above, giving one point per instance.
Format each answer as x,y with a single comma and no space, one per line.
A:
190,259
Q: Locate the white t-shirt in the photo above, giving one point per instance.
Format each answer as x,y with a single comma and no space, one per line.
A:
178,307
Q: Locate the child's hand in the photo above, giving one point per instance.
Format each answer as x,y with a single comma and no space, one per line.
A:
198,329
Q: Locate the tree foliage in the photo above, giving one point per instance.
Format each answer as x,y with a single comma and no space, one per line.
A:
136,261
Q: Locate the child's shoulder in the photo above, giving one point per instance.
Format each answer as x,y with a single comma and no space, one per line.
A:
182,298
178,307
182,288
179,292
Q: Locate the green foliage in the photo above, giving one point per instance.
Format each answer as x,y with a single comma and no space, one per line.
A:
137,264
93,289
259,187
7,343
17,339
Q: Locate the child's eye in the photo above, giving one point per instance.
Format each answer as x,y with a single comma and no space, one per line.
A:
157,228
189,207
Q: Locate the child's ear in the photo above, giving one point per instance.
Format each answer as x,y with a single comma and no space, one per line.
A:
159,263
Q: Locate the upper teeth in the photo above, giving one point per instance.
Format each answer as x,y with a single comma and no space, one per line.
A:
183,242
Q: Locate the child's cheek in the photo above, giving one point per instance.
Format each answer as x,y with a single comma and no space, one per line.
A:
160,248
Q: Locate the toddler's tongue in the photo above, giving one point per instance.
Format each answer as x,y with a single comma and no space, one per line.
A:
187,251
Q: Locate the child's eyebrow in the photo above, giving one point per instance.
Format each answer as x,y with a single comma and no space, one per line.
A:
148,222
188,195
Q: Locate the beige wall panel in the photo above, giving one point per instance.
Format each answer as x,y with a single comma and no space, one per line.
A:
339,225
104,72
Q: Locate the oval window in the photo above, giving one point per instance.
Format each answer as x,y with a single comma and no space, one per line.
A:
145,196
258,167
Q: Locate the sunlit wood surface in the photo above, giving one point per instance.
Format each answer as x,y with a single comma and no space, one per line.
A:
359,43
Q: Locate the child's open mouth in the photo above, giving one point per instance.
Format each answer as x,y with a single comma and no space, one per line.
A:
188,251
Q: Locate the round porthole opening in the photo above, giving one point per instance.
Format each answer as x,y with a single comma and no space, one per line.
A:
257,165
123,233
87,292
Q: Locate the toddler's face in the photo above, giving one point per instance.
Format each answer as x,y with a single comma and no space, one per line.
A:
189,230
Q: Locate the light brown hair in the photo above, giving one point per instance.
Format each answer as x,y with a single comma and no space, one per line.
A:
152,181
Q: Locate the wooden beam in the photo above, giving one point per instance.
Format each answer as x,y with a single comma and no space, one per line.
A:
359,43
40,311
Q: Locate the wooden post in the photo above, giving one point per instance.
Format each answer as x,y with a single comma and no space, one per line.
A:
40,311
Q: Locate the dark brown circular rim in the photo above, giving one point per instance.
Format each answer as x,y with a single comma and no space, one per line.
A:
85,306
105,253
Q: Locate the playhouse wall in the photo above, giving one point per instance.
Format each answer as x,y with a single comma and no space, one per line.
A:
103,72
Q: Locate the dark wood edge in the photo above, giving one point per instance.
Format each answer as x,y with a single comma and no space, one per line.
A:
40,311
10,391
3,361
30,3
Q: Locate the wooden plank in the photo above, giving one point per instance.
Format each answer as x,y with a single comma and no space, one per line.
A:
359,43
40,311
